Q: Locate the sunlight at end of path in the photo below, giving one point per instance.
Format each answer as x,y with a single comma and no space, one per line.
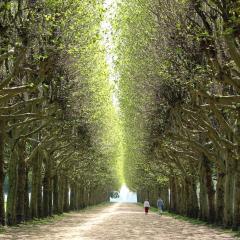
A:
125,196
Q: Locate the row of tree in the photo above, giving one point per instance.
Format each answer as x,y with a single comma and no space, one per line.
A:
179,68
58,129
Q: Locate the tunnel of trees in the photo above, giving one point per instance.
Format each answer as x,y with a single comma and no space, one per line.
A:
63,141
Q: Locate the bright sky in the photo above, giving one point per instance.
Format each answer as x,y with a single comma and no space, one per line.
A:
126,196
107,30
107,35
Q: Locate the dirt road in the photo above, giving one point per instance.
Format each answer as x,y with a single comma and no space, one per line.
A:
117,221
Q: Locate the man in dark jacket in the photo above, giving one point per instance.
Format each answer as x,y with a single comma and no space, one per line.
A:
160,206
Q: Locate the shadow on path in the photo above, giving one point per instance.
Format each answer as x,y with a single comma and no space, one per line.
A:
117,221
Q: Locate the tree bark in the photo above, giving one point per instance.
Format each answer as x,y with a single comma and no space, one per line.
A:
236,216
203,195
61,194
210,190
183,195
193,200
12,193
86,196
72,197
55,195
36,193
50,198
26,197
46,189
39,186
220,197
228,196
81,197
173,195
20,215
66,196
76,205
2,208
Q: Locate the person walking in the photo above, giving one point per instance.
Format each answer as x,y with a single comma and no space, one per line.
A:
146,206
160,206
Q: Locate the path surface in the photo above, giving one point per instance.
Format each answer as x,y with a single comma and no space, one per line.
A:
118,221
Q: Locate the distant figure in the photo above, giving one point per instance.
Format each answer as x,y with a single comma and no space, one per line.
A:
146,206
160,206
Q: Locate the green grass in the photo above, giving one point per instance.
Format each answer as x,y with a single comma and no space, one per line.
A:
193,221
2,230
41,221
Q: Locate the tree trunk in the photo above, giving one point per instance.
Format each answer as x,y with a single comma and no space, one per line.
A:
50,192
81,197
203,194
210,189
182,200
40,187
76,206
20,215
47,191
55,195
66,196
228,196
72,197
165,198
36,193
50,198
178,201
90,197
12,192
26,197
139,199
173,195
220,197
236,216
2,210
194,199
61,194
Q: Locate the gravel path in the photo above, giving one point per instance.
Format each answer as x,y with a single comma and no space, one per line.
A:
117,221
